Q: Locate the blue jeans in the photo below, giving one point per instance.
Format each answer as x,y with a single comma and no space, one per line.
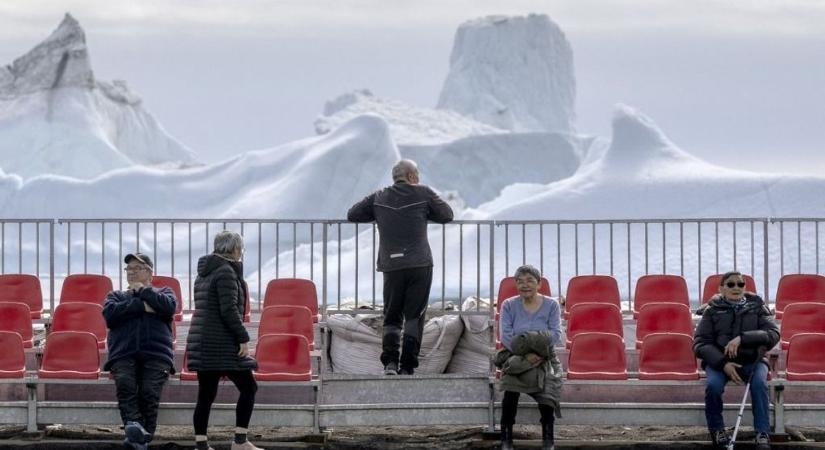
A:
760,403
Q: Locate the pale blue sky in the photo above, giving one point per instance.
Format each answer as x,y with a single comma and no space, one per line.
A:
739,83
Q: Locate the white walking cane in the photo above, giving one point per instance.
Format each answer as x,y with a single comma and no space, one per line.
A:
744,399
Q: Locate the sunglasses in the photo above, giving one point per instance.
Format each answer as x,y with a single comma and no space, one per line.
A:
731,284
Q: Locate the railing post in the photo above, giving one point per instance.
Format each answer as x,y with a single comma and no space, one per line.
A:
491,425
766,262
51,265
324,271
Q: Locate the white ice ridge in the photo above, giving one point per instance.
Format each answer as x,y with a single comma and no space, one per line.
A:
56,118
514,73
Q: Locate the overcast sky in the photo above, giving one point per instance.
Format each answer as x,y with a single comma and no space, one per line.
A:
738,83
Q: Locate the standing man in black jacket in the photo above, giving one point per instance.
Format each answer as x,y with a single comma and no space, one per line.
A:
140,347
735,331
401,212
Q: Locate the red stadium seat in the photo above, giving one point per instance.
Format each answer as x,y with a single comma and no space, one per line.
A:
185,374
283,357
659,289
292,292
591,289
668,356
590,317
17,318
597,356
663,318
88,288
712,286
507,289
173,284
795,288
805,361
23,289
287,320
80,317
12,358
247,308
802,318
70,354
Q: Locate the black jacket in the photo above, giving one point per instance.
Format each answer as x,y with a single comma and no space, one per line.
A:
721,322
401,212
132,330
217,327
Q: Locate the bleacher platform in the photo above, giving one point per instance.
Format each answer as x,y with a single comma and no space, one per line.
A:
623,367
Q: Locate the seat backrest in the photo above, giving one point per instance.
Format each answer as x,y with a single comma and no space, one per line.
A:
13,357
22,288
712,286
597,356
507,288
185,374
592,289
589,317
659,288
283,357
173,284
806,317
80,317
285,319
668,356
663,318
292,291
16,317
70,354
799,287
85,287
805,361
247,308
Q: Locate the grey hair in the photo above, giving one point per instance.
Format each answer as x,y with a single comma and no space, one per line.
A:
527,269
403,168
226,242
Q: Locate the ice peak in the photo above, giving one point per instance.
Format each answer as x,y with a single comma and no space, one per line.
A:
60,60
514,73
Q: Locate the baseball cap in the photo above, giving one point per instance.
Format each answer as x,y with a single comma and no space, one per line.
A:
145,259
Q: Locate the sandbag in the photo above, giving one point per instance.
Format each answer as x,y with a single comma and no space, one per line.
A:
472,353
355,343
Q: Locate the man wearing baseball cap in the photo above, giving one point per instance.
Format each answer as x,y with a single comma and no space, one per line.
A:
141,353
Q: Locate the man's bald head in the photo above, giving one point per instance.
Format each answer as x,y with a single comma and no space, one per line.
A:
405,170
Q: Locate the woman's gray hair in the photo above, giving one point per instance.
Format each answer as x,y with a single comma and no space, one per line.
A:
226,242
527,269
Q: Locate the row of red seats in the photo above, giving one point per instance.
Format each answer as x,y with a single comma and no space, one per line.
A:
793,288
92,288
75,355
669,356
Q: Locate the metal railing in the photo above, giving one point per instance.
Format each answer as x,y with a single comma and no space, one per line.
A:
470,257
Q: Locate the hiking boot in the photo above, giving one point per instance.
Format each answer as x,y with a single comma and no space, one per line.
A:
391,369
245,446
135,433
406,371
763,441
720,439
506,437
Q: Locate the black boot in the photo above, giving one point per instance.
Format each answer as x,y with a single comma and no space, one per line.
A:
506,437
547,437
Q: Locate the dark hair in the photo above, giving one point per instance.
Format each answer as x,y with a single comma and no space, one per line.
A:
727,275
527,269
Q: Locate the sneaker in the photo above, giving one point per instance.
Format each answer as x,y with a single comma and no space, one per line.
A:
245,446
135,433
391,369
763,441
720,438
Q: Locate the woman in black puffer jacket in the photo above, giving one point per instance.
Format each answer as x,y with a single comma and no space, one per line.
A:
217,342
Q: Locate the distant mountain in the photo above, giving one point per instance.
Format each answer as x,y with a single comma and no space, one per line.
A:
56,118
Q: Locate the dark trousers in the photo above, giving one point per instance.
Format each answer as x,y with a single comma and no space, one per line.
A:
208,388
406,293
139,382
509,408
760,401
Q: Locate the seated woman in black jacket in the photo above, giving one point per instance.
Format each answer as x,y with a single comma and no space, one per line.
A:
735,331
